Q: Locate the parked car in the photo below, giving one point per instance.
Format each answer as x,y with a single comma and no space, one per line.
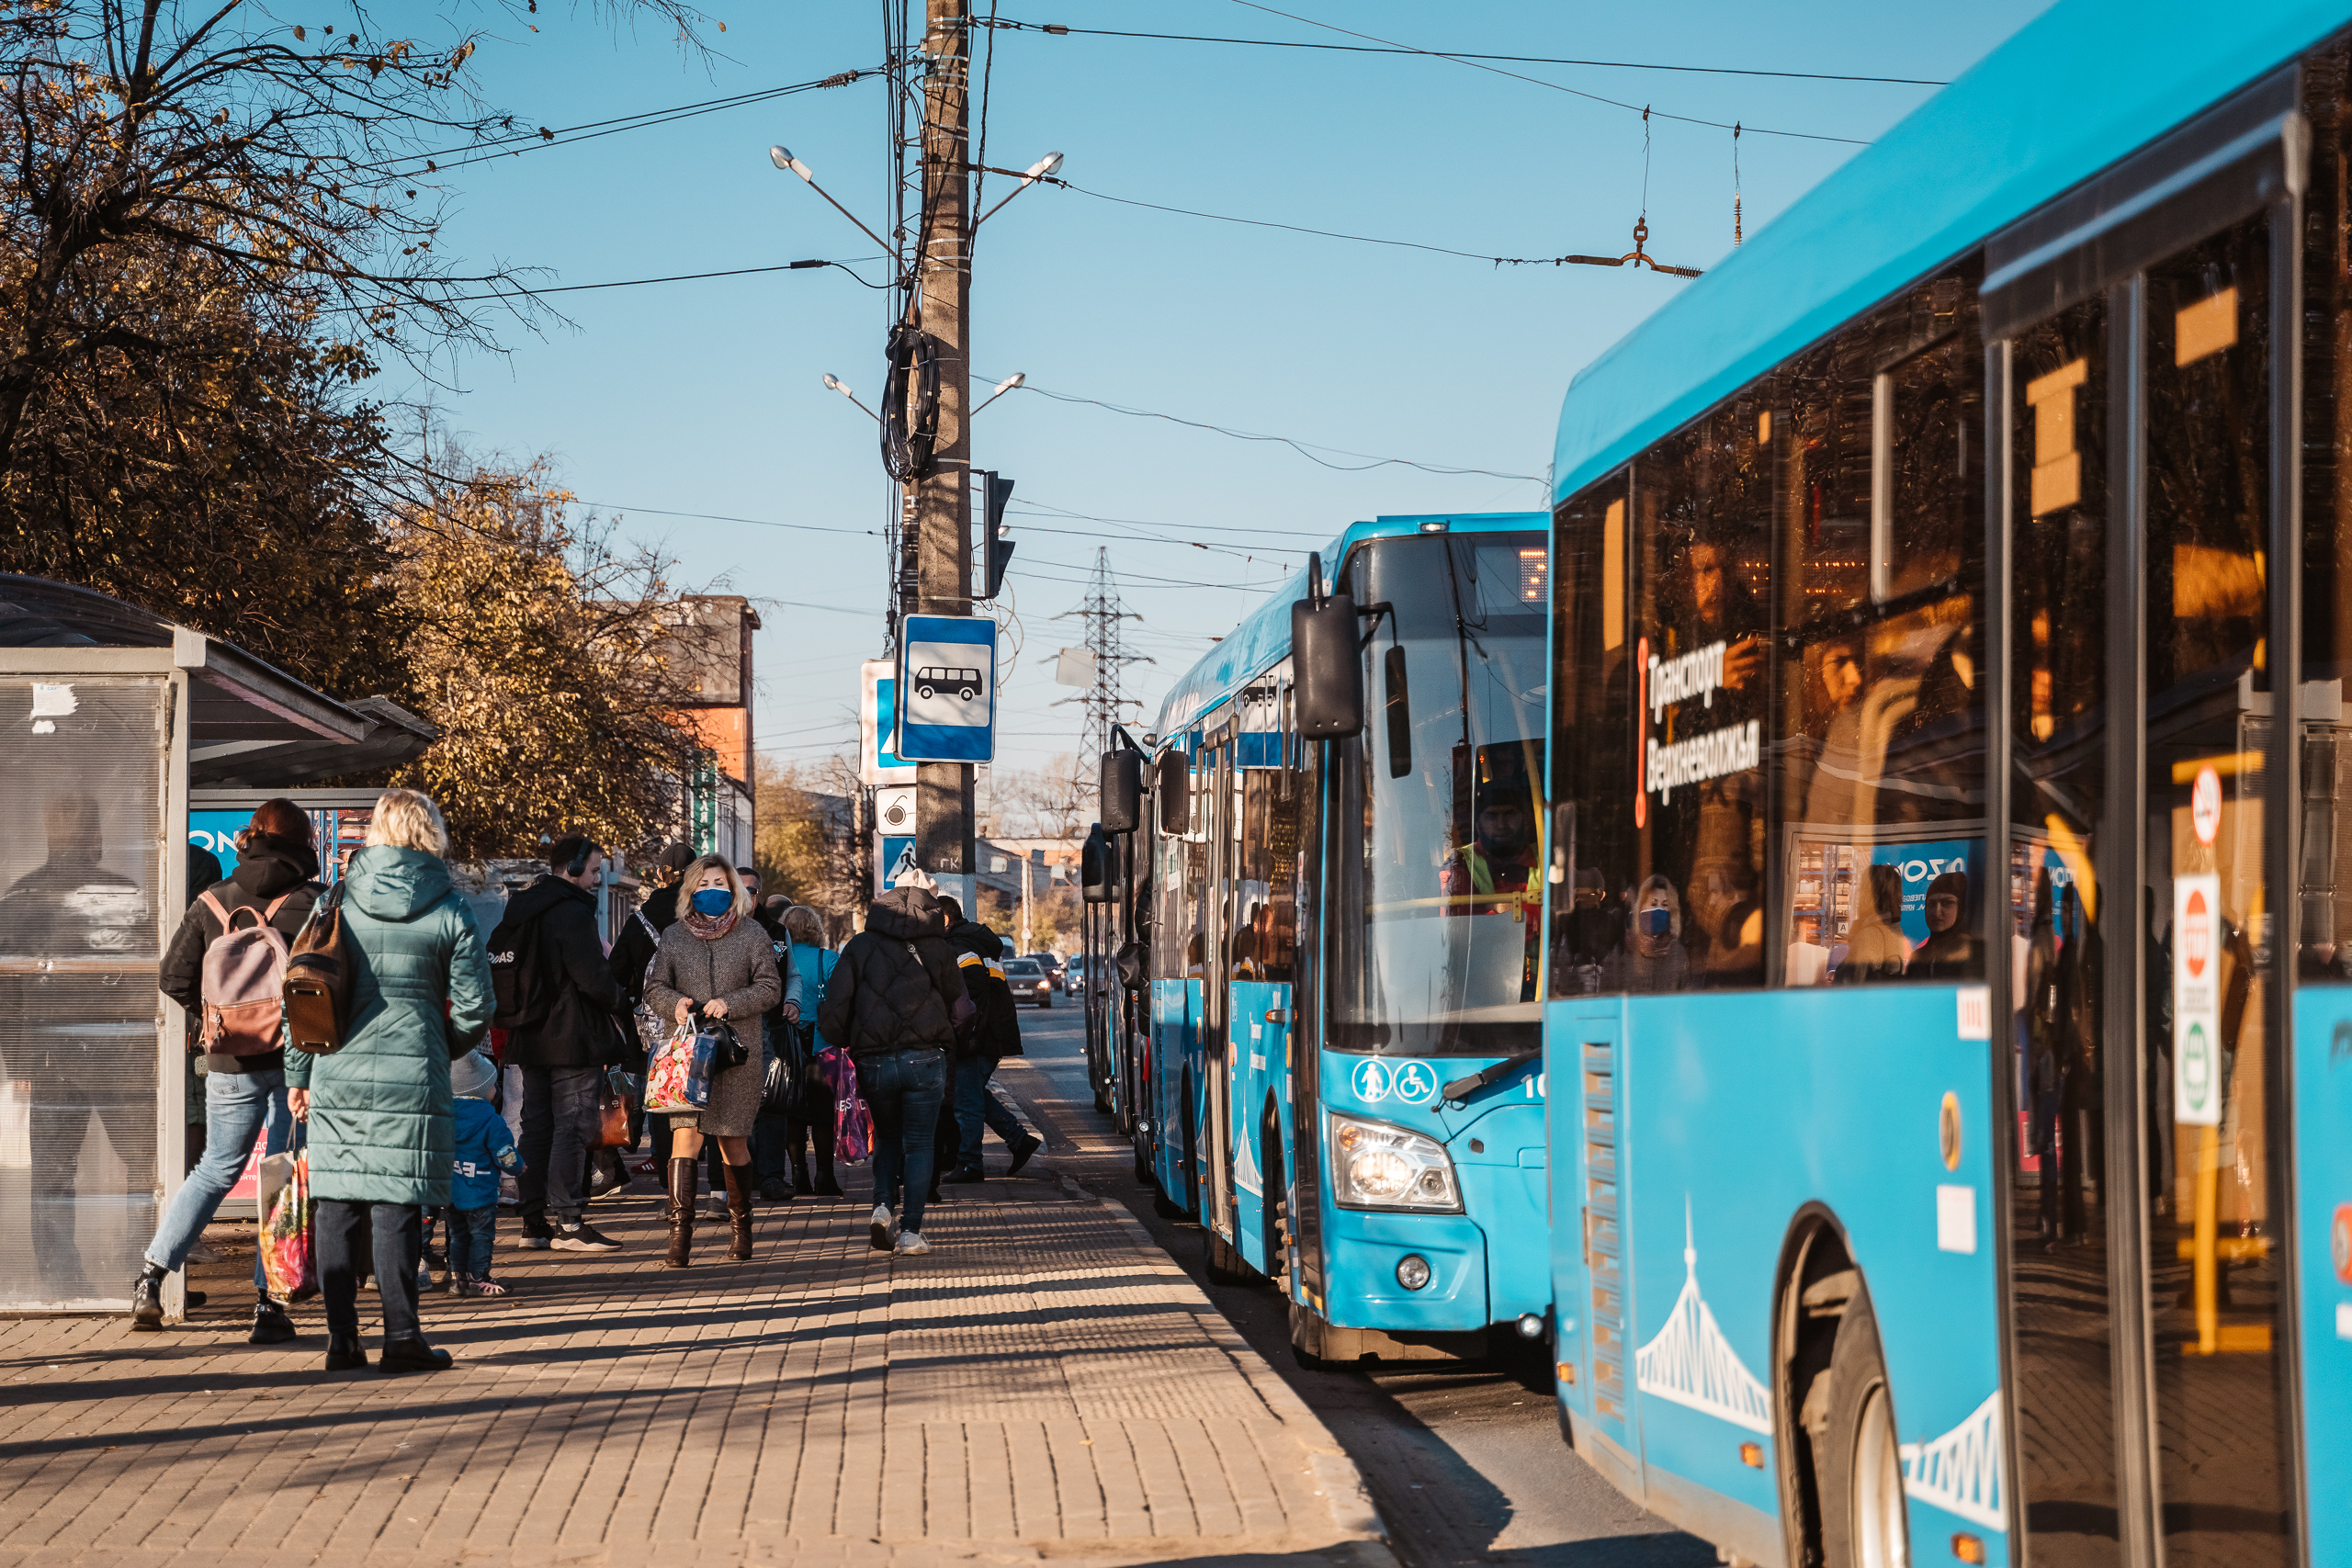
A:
1029,981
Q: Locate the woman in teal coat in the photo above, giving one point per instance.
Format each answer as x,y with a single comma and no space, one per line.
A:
378,1108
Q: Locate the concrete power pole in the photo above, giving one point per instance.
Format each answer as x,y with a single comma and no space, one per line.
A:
941,501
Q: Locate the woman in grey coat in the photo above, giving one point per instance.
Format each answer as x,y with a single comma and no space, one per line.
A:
718,960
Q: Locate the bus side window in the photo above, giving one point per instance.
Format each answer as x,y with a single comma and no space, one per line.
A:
1879,507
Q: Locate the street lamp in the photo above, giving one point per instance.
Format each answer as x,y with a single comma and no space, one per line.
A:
834,383
783,159
1043,169
1008,384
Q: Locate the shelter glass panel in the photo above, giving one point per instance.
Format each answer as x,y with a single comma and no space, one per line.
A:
81,865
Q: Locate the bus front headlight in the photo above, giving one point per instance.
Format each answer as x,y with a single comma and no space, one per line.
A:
1376,1166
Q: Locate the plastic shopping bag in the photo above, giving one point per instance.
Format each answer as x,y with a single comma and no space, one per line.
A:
289,1253
853,1121
678,1078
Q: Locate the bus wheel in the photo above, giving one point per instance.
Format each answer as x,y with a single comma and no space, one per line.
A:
1862,1471
1226,1265
1166,1208
1307,1340
1143,1161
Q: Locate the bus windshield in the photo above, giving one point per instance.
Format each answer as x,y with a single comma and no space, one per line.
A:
1434,915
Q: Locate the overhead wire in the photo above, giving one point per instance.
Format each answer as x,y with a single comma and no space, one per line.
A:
518,291
1301,447
1058,29
1537,81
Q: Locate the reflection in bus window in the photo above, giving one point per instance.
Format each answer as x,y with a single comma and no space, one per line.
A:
1879,495
1652,957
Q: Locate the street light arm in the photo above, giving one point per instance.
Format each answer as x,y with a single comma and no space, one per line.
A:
783,159
1041,170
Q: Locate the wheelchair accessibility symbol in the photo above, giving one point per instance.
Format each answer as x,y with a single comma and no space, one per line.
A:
1415,1083
1373,1080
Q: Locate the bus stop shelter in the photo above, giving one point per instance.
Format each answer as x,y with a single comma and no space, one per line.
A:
108,717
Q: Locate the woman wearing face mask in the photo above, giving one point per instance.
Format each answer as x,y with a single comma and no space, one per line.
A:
1653,958
718,960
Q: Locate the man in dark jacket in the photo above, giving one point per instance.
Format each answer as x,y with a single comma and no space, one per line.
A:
980,953
893,1004
244,1097
562,1052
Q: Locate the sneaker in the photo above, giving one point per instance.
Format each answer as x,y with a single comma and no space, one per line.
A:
459,1285
965,1173
877,1232
271,1325
200,1253
535,1236
584,1238
147,1299
775,1190
486,1288
1022,1151
911,1244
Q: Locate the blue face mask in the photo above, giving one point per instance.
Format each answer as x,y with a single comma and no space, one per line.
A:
1657,922
714,901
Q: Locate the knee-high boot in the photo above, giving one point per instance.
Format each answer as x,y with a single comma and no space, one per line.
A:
738,1211
683,1178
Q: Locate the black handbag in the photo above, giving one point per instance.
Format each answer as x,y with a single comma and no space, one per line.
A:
728,1049
780,1087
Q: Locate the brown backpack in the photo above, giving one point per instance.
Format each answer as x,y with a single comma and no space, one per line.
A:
245,976
318,979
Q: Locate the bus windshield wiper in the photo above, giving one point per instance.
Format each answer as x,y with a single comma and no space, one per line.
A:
1460,1090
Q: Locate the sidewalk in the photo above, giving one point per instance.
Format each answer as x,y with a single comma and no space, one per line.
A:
1046,1384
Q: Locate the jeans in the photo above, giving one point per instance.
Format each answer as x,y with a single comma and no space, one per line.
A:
238,1107
472,1232
558,1110
976,1102
904,1090
341,1229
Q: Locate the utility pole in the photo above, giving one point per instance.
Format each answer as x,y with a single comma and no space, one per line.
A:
940,503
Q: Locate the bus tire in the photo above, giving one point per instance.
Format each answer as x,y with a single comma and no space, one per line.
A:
1143,1161
1307,1340
1856,1458
1225,1265
1166,1208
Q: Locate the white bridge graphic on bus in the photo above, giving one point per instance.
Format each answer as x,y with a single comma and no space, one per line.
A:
1690,1363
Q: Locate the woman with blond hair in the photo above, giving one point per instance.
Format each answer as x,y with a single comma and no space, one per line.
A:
378,1108
717,960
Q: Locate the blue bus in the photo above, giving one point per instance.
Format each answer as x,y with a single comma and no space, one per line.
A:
1340,1075
1952,605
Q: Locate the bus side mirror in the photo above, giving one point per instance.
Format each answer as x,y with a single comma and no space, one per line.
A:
1121,792
1327,667
1097,876
1175,794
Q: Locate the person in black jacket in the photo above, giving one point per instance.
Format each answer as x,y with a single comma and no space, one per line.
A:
563,1053
893,1004
980,953
244,1096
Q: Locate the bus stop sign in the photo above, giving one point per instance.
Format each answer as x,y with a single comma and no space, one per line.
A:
947,689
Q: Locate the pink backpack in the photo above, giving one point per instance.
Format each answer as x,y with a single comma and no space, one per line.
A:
853,1121
245,980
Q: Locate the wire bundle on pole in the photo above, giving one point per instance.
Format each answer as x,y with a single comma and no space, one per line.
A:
908,433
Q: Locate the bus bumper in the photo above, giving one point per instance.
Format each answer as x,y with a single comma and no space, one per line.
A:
1363,1252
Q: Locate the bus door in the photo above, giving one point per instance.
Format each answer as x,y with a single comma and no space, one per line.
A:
1222,821
2151,596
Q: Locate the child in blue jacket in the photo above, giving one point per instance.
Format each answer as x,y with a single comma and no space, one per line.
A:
484,1147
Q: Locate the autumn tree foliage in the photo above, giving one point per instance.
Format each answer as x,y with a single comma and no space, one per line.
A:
535,643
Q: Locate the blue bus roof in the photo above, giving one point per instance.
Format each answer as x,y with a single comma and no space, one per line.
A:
2078,89
1262,639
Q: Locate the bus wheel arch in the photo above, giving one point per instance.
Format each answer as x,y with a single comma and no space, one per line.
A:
1841,1497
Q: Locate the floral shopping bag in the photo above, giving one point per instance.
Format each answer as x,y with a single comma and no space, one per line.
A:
288,1253
678,1078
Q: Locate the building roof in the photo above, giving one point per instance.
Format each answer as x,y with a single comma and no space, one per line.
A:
250,723
2076,89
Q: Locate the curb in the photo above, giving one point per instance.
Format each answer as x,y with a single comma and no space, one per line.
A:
1353,1514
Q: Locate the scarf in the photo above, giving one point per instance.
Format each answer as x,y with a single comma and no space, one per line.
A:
710,928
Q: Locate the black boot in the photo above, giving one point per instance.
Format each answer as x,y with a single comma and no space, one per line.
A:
739,1211
344,1355
684,1174
271,1325
147,1300
800,1182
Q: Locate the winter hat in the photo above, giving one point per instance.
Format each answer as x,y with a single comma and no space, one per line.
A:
472,1075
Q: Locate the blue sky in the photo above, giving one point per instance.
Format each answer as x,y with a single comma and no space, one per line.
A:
706,397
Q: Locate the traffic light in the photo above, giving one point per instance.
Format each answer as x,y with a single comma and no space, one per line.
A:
998,556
